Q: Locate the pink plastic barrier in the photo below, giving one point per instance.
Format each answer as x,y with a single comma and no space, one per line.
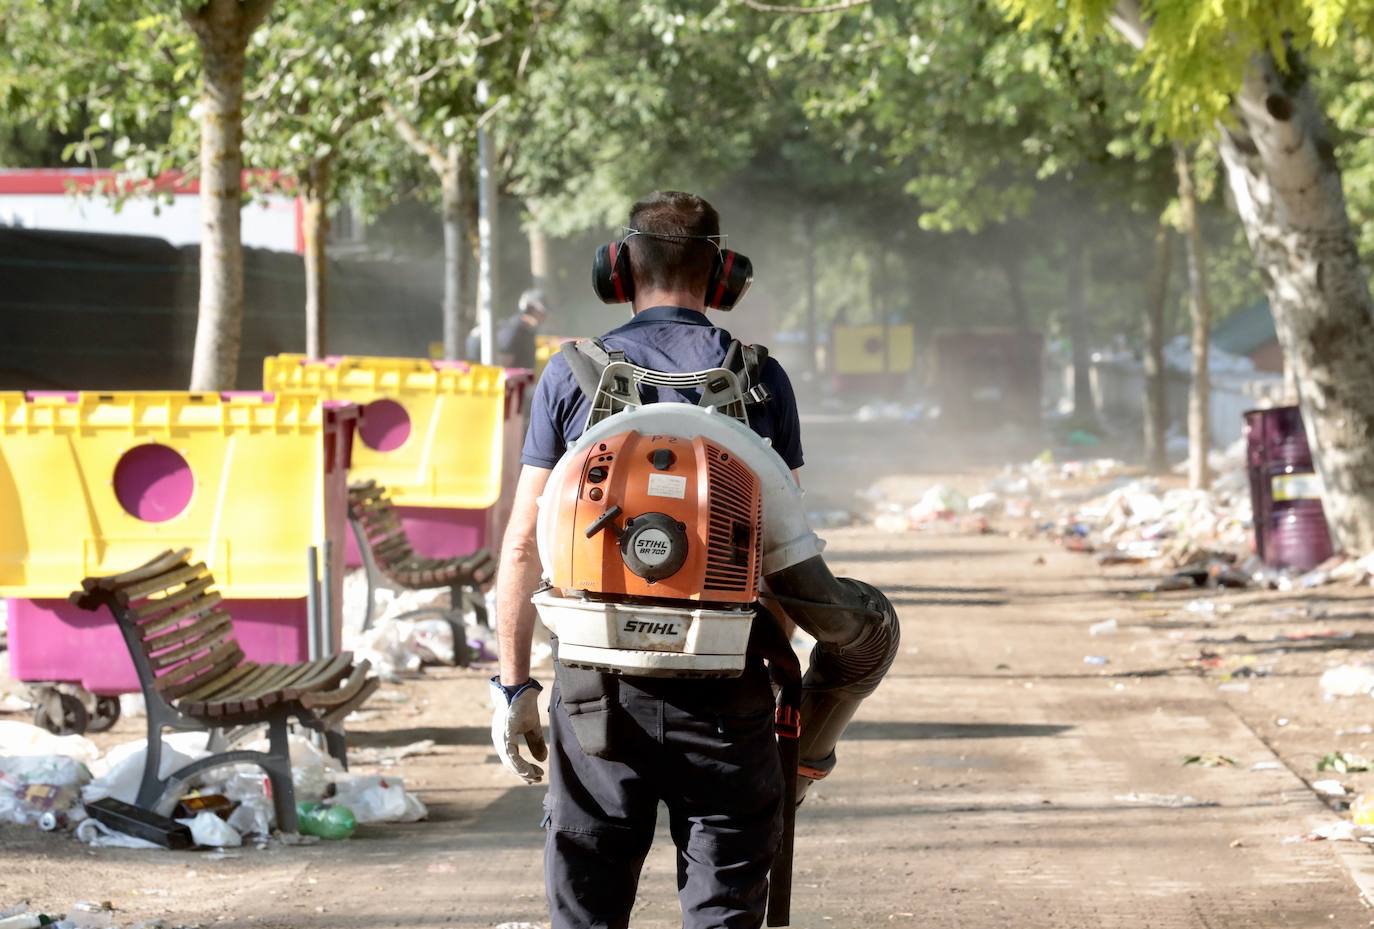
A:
52,641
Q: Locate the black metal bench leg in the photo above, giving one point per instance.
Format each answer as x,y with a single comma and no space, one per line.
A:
479,607
278,769
336,743
462,655
150,788
369,569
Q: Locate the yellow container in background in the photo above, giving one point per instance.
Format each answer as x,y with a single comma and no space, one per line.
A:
874,349
545,347
432,432
97,483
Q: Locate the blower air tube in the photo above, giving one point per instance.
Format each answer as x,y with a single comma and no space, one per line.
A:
857,635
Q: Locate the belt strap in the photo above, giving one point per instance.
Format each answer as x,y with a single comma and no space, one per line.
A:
767,639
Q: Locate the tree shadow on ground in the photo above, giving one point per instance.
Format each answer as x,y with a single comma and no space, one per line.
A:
849,556
442,735
864,730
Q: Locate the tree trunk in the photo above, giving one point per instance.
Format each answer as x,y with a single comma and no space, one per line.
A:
457,248
539,256
1200,312
486,241
315,194
1011,267
1287,188
222,29
1084,413
1156,381
809,259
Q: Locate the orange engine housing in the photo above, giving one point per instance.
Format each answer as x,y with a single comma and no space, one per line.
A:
713,499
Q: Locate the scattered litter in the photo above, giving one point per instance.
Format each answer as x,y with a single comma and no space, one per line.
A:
379,799
1268,766
1106,627
1362,810
1365,729
390,756
1329,788
1343,763
98,835
1095,660
1210,760
1169,801
1339,831
40,790
209,831
18,738
1234,687
1348,680
124,765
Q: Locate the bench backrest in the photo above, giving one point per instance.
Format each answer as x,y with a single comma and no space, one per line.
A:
176,632
370,505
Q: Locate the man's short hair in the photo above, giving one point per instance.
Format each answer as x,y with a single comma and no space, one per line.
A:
684,260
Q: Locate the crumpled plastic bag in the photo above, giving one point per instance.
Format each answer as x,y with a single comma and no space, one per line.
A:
939,502
378,799
209,831
1348,680
98,835
254,816
18,738
125,762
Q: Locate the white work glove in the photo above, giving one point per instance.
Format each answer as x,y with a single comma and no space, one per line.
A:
516,715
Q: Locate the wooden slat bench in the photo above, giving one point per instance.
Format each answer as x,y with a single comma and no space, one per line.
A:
385,548
194,676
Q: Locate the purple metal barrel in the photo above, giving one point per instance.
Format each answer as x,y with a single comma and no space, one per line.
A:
1290,524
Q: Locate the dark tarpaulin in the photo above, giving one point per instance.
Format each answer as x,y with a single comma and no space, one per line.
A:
112,312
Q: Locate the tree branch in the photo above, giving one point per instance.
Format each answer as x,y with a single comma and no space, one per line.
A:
415,139
839,7
1128,19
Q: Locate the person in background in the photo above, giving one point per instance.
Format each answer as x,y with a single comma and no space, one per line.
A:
515,339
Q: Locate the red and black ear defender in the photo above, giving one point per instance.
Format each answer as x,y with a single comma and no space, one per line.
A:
611,273
611,279
730,280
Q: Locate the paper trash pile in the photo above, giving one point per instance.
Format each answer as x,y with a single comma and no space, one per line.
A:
46,779
408,628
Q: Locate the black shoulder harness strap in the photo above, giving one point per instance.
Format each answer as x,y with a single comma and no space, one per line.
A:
588,359
746,361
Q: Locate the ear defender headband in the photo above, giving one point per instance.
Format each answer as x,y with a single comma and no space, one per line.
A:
731,274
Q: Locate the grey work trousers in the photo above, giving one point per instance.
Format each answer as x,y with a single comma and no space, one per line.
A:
707,750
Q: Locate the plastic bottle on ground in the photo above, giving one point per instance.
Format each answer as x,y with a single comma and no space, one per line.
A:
326,822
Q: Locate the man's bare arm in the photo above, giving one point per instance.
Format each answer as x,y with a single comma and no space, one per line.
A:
518,576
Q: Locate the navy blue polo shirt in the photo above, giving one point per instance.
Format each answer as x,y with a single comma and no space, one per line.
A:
662,338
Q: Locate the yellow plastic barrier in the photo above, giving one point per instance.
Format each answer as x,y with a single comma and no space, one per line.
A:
874,349
432,432
94,483
545,347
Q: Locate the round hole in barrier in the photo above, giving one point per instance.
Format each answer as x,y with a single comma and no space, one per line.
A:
385,425
153,483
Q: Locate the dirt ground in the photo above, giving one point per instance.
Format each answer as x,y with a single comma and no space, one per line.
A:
995,779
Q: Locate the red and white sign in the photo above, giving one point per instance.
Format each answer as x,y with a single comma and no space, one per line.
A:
69,199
